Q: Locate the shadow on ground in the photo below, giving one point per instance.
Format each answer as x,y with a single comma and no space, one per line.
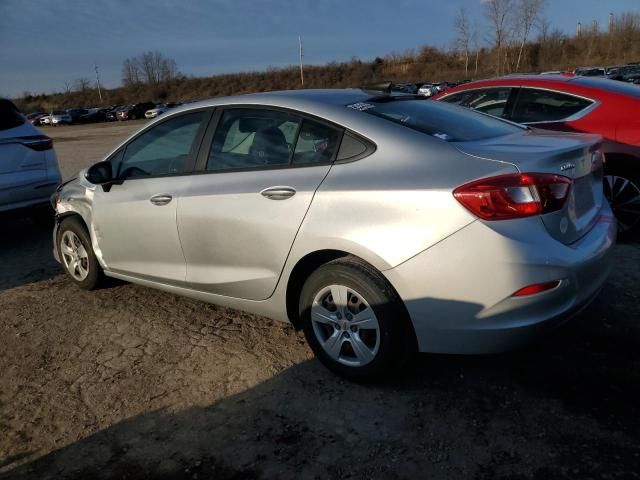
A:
568,407
26,251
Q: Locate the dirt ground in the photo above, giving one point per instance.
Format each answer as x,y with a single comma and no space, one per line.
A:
127,382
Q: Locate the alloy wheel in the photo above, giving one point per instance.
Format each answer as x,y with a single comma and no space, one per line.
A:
345,325
74,255
624,196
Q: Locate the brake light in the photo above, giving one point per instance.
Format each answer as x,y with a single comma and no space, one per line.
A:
514,195
536,288
37,142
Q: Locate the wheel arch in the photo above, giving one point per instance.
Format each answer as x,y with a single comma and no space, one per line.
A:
309,263
621,160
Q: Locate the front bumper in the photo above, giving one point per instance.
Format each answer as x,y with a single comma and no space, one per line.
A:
459,292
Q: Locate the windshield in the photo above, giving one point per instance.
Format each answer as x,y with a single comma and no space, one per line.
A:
441,120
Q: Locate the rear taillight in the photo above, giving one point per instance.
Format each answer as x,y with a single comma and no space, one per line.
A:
514,195
36,142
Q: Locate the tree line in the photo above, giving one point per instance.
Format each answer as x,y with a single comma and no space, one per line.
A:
515,37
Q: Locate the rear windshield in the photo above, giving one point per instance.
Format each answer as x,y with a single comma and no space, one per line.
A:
614,86
441,120
10,117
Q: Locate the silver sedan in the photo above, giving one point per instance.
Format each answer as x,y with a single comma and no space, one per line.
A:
380,225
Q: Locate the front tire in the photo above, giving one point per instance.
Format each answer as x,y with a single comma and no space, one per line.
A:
77,256
354,321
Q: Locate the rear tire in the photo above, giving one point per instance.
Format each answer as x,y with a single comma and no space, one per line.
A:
77,256
364,334
622,190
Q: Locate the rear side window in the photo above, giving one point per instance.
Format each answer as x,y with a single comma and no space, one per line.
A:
441,120
536,105
10,117
247,138
317,143
492,101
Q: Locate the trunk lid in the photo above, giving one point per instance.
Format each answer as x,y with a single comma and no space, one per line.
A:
576,156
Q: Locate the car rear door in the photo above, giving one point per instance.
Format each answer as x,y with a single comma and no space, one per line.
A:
239,216
134,221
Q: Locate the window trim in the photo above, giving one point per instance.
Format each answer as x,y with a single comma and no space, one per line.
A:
207,140
571,118
197,144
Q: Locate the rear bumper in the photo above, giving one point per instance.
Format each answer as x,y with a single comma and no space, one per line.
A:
459,292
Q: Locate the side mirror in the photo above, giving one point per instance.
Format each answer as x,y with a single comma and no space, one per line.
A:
99,173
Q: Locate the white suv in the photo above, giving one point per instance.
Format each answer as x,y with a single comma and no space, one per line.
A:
29,171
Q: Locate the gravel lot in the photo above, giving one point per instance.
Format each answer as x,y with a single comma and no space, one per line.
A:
128,382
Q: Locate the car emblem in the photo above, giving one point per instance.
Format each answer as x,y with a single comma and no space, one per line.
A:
567,166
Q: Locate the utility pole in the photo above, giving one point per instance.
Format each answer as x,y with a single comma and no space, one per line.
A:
301,70
95,66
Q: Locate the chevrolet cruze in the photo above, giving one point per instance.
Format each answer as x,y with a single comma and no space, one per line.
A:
380,225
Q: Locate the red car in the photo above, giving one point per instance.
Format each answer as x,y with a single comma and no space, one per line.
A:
573,104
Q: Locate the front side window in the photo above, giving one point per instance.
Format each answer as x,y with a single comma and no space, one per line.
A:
165,149
250,138
546,106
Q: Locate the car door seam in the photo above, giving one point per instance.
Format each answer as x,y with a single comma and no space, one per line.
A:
295,237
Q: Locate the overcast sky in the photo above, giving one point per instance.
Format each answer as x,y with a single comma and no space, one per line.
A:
44,43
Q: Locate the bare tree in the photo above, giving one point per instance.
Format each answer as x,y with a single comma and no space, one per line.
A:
464,36
528,13
67,87
500,13
151,68
157,69
544,27
82,84
130,72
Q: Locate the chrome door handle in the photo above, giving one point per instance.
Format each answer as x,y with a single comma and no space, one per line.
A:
278,193
161,199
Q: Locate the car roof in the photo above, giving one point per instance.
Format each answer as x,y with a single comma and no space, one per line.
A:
573,83
327,103
320,96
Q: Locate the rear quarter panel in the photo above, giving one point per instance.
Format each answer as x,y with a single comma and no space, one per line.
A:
397,202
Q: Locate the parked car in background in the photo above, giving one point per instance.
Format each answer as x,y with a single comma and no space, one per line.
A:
111,115
410,88
76,113
371,221
57,117
94,115
590,72
160,109
61,118
133,112
573,104
31,117
624,73
427,90
29,171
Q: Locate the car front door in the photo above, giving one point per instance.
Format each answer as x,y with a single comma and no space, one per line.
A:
135,220
239,217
